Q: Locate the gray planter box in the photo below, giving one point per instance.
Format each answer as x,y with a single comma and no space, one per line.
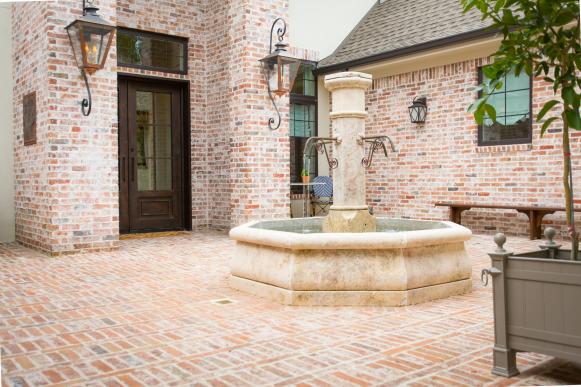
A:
537,304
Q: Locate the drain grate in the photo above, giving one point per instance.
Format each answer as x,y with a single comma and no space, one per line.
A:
223,301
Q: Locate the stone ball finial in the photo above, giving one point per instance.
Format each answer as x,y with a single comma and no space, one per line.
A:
500,240
550,233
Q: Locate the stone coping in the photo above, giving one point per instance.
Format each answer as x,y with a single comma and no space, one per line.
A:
348,79
450,233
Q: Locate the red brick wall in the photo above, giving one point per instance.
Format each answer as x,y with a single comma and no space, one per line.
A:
238,166
32,196
67,184
259,158
66,196
441,161
189,20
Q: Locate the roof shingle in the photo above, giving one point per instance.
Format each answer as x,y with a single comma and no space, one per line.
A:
391,25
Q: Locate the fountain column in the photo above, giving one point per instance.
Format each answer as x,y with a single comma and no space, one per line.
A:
349,212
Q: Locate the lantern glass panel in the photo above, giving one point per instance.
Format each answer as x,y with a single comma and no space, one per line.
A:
73,31
95,42
90,43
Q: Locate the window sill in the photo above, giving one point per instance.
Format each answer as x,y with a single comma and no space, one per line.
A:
504,148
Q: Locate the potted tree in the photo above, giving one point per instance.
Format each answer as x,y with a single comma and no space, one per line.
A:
305,176
541,38
536,294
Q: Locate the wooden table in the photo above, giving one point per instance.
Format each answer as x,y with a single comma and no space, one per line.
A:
534,213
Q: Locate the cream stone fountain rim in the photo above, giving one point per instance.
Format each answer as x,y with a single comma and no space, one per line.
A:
352,258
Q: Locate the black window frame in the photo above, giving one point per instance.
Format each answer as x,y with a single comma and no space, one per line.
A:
158,36
306,100
519,141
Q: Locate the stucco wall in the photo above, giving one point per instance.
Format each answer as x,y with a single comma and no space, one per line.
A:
6,136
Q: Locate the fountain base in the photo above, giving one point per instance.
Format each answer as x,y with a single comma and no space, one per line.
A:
406,262
349,220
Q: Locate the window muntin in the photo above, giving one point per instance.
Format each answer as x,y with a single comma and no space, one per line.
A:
512,103
303,123
303,120
151,51
305,82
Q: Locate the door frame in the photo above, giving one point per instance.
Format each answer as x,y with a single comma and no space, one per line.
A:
184,87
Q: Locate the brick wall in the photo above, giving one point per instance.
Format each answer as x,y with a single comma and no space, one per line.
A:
185,19
32,195
64,183
67,195
259,158
441,161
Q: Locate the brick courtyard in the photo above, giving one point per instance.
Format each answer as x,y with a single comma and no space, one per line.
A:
146,314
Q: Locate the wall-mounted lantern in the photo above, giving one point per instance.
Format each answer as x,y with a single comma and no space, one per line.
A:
418,110
280,69
91,38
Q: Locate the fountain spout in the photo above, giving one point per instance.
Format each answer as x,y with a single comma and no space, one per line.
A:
376,143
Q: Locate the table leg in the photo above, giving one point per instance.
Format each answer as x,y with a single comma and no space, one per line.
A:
535,222
456,214
304,201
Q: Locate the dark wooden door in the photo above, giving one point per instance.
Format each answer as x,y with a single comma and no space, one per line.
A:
150,156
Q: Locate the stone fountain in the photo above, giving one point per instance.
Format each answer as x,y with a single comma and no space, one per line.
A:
350,257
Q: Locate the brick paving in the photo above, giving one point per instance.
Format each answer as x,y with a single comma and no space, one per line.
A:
150,313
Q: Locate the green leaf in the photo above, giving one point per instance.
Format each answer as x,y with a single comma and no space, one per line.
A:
508,17
490,72
564,18
479,116
499,4
573,119
569,95
548,106
490,111
546,124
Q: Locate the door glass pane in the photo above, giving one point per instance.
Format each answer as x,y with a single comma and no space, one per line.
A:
144,141
145,174
163,175
144,154
162,106
144,106
163,141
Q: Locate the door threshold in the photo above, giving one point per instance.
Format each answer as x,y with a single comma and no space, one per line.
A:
157,234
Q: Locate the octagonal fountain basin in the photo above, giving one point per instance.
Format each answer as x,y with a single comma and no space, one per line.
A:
404,262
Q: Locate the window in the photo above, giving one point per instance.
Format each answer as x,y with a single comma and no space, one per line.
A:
512,102
151,51
303,123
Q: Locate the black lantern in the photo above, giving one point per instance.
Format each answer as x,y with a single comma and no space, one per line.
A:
418,110
91,38
280,69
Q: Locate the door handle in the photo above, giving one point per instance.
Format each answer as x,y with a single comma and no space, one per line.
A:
493,272
132,169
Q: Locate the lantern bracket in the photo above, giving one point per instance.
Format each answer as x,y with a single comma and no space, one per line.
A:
280,32
85,2
86,103
271,120
376,143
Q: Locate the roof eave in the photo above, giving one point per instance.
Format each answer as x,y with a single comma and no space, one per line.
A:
471,35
